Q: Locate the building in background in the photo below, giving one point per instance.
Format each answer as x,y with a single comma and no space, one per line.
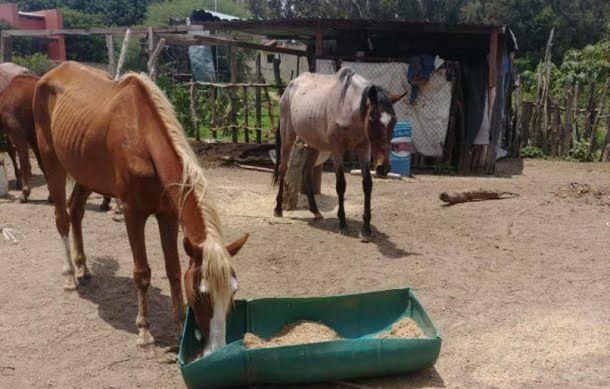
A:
49,19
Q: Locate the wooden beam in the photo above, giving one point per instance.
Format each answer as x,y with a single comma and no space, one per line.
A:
257,100
195,40
119,31
152,61
123,54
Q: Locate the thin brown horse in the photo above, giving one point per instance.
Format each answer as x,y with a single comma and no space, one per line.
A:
17,120
336,113
122,138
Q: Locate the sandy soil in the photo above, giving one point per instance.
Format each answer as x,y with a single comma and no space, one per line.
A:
518,287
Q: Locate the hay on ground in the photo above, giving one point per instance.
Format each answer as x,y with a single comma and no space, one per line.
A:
404,328
299,332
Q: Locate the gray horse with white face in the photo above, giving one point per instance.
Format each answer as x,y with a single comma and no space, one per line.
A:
333,114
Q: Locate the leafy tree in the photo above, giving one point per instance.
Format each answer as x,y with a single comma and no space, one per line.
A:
84,48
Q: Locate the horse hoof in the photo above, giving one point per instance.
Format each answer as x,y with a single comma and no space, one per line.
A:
71,283
365,236
104,207
50,199
318,216
83,272
277,213
145,338
343,230
23,199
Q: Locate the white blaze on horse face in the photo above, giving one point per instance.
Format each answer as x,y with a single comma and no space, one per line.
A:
217,335
385,118
234,284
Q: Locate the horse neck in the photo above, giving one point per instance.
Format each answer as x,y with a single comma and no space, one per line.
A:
169,170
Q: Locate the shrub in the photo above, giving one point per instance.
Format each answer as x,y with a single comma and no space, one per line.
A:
37,63
531,152
580,152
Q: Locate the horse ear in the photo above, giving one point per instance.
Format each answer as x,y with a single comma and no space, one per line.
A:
395,98
234,247
372,94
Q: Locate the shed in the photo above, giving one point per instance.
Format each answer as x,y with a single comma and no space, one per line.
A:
468,128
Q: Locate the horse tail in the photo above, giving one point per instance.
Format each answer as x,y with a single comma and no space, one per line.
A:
278,156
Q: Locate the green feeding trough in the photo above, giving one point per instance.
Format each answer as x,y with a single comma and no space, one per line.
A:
357,318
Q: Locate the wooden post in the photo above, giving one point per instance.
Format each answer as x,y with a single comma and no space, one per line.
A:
194,118
605,146
278,76
298,65
575,130
546,88
246,123
319,40
152,61
257,102
232,94
269,107
6,48
110,47
527,109
535,128
590,112
567,127
213,112
123,54
598,113
493,65
555,125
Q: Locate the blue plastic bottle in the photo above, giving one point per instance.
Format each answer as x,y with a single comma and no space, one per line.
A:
400,151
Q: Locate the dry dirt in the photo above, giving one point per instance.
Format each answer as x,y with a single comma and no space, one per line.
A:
518,287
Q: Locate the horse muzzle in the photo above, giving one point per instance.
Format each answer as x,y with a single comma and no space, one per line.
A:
382,170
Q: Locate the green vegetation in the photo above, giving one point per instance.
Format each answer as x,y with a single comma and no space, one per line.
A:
160,12
580,152
36,63
531,152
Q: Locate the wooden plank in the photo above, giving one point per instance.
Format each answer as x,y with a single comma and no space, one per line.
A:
257,100
152,60
246,113
213,112
194,40
123,54
193,110
119,31
110,47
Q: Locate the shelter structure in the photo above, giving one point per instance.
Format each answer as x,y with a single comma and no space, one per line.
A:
459,106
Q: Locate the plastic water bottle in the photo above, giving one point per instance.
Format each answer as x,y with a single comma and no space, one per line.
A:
400,149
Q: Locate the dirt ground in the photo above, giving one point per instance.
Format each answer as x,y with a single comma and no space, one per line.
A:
518,287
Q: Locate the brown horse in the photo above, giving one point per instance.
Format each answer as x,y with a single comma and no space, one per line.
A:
336,113
122,138
8,71
17,119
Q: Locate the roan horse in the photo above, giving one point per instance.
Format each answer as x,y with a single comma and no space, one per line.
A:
336,113
122,138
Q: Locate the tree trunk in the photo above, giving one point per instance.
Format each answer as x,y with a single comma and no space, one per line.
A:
294,175
567,128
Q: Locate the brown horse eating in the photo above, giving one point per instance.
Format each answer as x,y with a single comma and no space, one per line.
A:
17,120
336,113
122,139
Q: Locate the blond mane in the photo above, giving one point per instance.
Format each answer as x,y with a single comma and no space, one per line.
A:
216,269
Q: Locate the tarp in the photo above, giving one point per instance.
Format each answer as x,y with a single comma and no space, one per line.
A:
430,114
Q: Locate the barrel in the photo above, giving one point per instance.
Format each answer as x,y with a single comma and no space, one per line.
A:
400,148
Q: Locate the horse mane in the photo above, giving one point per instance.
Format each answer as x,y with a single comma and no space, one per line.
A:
381,95
215,265
345,77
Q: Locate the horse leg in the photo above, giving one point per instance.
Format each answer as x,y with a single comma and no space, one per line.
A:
284,158
135,222
311,157
105,205
364,157
57,187
36,151
168,230
340,186
76,204
25,167
12,152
